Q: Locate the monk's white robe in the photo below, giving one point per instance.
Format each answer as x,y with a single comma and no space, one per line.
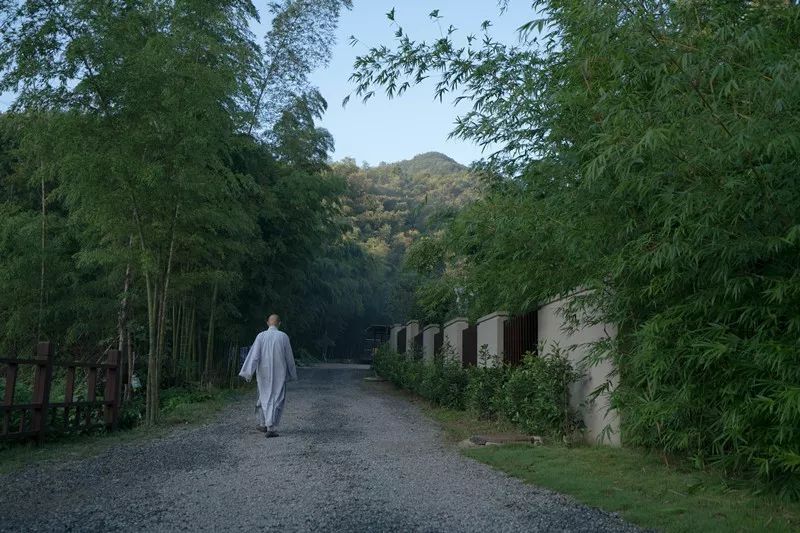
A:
270,358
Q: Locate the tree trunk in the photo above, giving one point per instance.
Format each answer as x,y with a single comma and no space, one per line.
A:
190,345
187,320
131,366
42,273
210,339
156,311
152,397
176,320
123,335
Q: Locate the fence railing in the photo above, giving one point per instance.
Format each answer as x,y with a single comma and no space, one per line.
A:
40,415
520,335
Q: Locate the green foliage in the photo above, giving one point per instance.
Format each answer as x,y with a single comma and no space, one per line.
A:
431,164
441,382
536,395
643,490
444,383
163,185
649,153
387,209
132,413
484,394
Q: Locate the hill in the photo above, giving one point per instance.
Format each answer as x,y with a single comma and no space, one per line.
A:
389,207
431,163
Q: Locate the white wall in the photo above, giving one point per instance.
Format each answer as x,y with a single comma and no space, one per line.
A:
412,330
393,335
490,333
452,337
428,345
551,332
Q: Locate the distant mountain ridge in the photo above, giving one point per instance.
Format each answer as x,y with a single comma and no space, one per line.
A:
432,163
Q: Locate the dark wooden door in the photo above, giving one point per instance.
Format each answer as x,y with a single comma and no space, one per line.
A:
469,344
520,335
401,341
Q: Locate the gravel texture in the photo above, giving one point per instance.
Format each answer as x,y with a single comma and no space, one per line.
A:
349,458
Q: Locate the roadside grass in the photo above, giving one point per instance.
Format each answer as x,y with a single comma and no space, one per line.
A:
181,409
634,483
644,491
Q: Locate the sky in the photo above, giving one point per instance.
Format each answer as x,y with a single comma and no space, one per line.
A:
392,130
386,130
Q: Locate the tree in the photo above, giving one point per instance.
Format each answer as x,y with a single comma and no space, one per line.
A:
143,108
647,152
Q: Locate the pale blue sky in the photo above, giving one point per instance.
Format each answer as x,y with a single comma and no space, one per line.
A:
391,130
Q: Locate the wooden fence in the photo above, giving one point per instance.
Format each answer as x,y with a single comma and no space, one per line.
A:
36,418
519,336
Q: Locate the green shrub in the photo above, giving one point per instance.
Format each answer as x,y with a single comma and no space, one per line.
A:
175,397
132,413
536,395
484,393
444,383
441,382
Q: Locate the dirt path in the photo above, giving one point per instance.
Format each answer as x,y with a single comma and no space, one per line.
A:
349,459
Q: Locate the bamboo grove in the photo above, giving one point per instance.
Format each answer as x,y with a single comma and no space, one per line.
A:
162,182
648,151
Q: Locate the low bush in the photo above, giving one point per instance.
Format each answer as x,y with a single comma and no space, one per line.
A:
444,383
534,396
484,395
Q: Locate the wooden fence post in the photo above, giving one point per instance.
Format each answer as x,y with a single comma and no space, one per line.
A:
111,396
41,388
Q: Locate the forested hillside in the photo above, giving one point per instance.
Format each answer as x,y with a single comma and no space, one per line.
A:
387,209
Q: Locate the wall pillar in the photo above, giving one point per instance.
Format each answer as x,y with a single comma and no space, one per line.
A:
412,330
428,347
393,336
452,345
576,345
490,334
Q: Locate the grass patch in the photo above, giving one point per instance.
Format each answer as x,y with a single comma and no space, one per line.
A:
180,407
635,484
642,489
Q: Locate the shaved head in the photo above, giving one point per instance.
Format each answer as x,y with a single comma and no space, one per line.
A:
273,320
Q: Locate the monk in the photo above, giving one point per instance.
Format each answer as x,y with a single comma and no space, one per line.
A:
270,358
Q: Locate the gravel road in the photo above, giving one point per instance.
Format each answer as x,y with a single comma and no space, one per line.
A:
349,458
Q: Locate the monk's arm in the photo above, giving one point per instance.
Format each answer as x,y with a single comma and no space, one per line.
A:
251,362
